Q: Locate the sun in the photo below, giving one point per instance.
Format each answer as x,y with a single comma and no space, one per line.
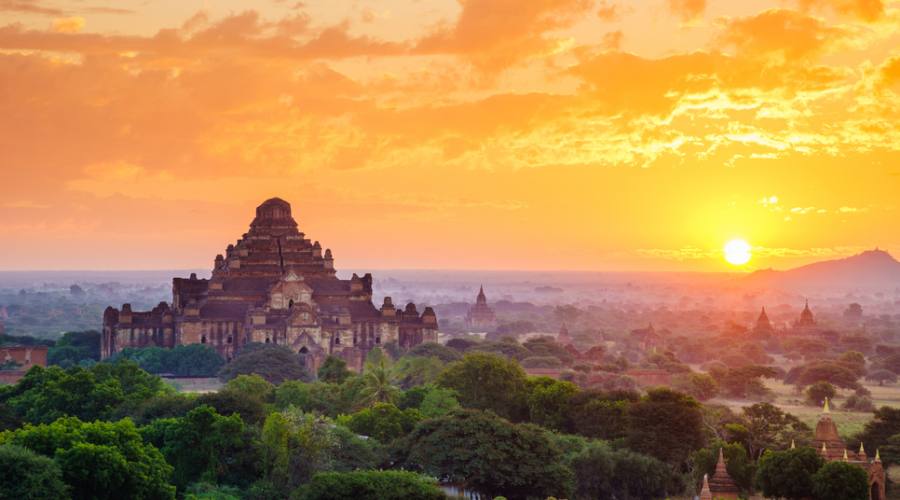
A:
737,252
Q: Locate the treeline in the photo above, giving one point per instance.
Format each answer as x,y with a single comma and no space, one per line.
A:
433,416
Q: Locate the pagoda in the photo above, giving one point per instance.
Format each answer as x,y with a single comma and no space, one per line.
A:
480,316
721,485
272,286
763,327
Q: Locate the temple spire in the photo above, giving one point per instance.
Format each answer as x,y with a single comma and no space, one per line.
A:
793,446
862,450
826,409
877,455
705,493
846,458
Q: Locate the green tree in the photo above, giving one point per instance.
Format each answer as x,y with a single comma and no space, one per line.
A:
274,363
487,454
379,382
202,445
250,409
877,432
411,371
666,425
192,360
488,382
841,481
334,370
433,350
700,386
789,473
318,397
74,347
600,415
382,421
549,402
767,427
837,374
817,393
251,386
369,485
99,460
29,476
601,472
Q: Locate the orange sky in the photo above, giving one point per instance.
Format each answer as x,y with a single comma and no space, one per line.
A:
547,134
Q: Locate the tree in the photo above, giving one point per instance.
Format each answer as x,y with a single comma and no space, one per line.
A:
666,425
274,363
487,454
379,383
29,476
788,473
549,402
488,382
434,350
430,400
98,392
411,371
700,386
877,432
817,393
599,414
317,397
202,445
841,481
251,386
382,421
767,427
192,360
601,472
369,485
99,460
74,347
835,373
250,409
882,376
743,382
334,370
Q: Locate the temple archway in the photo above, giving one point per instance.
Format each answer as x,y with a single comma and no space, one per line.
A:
875,491
304,350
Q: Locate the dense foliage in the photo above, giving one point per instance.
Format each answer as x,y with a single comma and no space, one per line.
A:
194,360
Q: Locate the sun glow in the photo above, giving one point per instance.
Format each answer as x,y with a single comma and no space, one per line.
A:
737,252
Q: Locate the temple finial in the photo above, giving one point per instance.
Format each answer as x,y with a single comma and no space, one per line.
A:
862,449
877,455
793,446
846,458
826,409
824,448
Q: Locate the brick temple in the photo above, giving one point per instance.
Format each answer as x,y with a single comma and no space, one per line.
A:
273,286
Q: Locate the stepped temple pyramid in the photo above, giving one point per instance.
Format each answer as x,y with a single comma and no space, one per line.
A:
272,286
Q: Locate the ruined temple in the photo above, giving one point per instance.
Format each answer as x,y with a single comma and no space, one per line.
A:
763,327
273,286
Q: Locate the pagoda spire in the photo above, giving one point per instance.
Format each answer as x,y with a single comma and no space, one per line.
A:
826,409
793,446
862,450
877,455
705,493
845,457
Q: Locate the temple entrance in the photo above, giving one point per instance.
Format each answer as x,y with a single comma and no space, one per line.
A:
875,491
304,350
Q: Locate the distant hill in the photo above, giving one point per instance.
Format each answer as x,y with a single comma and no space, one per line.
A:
870,269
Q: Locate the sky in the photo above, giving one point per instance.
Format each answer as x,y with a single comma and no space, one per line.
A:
450,134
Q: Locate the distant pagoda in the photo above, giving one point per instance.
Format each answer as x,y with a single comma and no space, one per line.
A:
480,316
763,327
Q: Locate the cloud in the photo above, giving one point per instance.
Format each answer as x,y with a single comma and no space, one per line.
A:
68,24
498,33
687,10
867,10
781,33
29,7
609,12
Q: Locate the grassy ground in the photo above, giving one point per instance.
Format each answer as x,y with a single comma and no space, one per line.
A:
848,422
198,385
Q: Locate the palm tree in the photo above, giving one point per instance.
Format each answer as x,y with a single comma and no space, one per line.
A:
379,381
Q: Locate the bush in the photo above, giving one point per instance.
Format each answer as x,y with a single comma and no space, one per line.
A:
859,403
841,481
192,360
369,485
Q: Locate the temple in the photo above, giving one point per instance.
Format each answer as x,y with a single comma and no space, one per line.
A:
721,485
806,323
272,286
832,448
763,327
480,316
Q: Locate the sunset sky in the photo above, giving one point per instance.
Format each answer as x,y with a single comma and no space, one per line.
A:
477,134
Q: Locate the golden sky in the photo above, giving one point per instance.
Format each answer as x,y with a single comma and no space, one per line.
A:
481,134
